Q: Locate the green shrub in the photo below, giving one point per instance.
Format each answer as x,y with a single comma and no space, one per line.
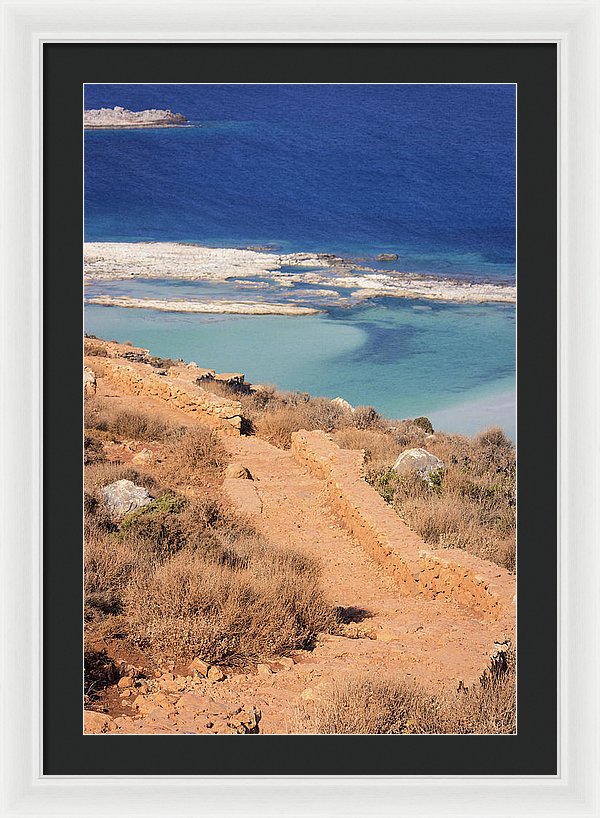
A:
425,424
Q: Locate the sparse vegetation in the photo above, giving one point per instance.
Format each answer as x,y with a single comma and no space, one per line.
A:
363,705
182,577
470,504
194,578
192,456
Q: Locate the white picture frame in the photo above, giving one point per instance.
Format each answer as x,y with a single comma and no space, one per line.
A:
575,26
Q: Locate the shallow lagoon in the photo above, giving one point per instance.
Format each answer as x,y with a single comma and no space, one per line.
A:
452,362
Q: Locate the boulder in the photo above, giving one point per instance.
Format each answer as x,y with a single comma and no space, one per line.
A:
89,382
237,471
123,497
419,460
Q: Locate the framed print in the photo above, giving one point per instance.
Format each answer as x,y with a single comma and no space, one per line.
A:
332,290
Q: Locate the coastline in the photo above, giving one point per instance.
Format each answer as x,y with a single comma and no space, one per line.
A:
113,261
135,127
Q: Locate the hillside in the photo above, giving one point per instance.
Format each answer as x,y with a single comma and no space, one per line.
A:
323,599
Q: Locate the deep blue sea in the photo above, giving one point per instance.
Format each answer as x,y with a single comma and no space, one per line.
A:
424,171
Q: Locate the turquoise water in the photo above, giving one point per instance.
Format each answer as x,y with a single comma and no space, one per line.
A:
405,358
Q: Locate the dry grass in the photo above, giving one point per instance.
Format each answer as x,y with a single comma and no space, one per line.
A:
379,448
182,578
245,602
274,415
366,706
101,417
194,456
276,425
102,473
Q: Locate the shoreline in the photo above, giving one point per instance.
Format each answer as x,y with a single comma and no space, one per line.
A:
113,261
133,127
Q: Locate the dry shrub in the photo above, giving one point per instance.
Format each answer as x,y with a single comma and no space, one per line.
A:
359,706
298,412
138,426
186,577
261,606
109,564
277,426
365,417
224,389
100,474
124,424
362,705
99,672
379,447
409,434
193,456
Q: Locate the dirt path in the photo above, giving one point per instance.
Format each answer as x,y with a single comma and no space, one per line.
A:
434,642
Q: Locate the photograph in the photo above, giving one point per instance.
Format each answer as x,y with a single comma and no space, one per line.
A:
299,430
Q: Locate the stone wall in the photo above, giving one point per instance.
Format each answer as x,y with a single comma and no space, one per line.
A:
484,588
175,385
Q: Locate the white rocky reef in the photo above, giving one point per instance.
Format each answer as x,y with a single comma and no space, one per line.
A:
119,117
108,261
223,307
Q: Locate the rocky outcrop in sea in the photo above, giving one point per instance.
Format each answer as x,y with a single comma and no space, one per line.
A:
119,117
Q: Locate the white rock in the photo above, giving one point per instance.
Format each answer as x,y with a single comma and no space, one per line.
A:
419,460
343,404
124,496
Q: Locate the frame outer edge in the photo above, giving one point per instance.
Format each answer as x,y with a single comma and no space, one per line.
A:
24,791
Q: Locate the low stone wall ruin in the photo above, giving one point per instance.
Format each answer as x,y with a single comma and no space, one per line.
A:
485,589
176,385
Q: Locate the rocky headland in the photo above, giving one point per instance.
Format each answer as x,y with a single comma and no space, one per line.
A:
119,117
